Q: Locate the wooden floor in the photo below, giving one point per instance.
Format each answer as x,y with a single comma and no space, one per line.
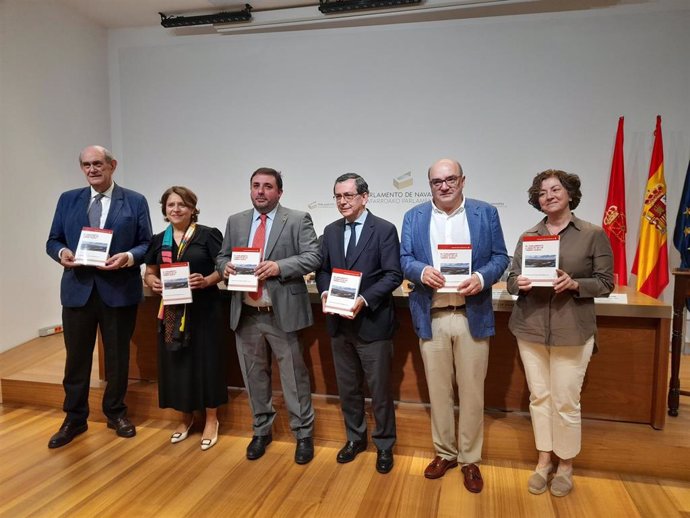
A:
100,474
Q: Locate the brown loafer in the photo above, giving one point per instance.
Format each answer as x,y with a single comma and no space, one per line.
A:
438,467
473,478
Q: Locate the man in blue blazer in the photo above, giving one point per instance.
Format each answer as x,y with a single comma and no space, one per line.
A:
362,345
453,328
103,297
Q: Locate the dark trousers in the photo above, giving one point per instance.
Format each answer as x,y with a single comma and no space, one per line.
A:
80,325
355,361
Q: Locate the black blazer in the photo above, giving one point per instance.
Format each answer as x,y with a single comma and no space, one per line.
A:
377,256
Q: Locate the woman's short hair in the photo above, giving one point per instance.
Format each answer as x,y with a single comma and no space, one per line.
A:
188,197
571,183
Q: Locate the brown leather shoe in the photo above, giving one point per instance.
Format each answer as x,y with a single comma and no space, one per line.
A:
438,467
473,478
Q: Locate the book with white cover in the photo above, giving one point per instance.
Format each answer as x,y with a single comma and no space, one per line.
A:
540,259
245,261
455,263
93,246
343,292
175,280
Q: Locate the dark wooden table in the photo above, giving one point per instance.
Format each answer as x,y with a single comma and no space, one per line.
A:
626,380
681,292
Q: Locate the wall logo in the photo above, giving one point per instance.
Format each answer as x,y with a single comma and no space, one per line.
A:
401,195
321,205
403,181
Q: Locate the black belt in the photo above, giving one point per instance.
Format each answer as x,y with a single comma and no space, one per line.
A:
449,308
257,309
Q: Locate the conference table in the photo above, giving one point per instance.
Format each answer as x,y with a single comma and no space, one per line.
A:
626,379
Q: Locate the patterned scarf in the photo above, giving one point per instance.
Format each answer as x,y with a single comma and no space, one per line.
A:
174,317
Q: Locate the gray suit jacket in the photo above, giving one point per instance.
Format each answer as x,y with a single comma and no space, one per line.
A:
293,245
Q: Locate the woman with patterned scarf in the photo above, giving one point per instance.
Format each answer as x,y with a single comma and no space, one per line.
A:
191,373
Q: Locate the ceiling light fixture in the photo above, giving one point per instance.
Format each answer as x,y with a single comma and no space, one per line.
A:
207,19
343,6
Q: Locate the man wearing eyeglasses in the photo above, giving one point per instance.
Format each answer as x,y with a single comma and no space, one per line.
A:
103,297
362,344
453,328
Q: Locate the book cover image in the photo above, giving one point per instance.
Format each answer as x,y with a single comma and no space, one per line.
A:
245,261
175,280
455,263
540,259
343,292
93,246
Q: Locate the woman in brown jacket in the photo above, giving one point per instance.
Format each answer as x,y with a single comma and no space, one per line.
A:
555,326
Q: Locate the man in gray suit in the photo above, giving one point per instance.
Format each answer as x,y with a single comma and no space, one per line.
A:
268,320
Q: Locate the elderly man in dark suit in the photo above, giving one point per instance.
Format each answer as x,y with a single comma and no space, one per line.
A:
268,320
104,297
362,344
453,328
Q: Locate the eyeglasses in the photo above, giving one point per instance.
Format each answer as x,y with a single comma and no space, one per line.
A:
450,181
348,196
98,165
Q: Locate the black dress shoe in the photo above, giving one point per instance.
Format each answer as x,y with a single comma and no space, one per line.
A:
122,426
304,451
350,451
384,461
257,447
68,431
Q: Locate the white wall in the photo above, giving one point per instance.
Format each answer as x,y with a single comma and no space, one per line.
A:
507,96
54,100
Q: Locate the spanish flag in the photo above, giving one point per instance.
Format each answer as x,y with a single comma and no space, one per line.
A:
651,259
614,222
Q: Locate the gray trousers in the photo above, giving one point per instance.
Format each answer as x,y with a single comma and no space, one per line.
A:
257,336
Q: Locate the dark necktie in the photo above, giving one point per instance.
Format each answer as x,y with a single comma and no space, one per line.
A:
258,242
95,211
352,243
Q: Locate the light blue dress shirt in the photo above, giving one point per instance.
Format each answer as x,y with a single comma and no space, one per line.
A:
358,228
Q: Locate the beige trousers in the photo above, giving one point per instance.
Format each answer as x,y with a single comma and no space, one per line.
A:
554,376
453,356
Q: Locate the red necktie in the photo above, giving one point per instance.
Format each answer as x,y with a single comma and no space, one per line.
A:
258,242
